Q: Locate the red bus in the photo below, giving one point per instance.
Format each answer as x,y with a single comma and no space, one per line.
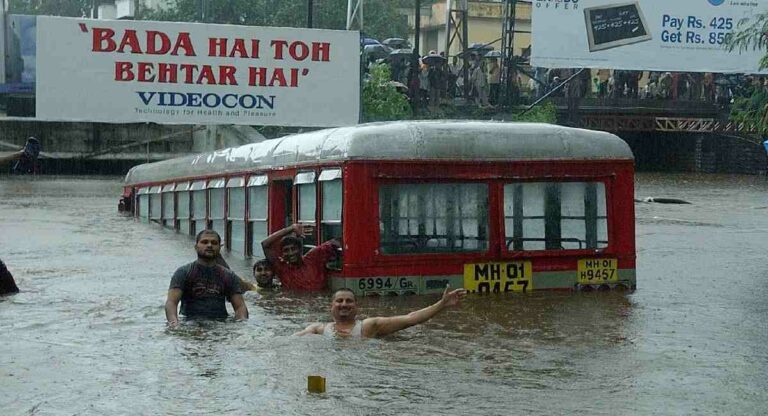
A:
488,206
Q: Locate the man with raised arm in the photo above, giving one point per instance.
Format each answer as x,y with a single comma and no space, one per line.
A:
283,250
345,324
203,285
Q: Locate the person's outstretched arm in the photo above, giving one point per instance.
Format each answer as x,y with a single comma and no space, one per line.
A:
171,307
380,326
11,157
316,328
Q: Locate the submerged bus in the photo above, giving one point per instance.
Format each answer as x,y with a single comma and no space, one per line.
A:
488,206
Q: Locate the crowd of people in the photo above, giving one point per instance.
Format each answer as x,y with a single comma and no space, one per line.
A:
439,80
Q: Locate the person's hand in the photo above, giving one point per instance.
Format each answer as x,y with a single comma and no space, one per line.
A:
173,324
302,230
453,297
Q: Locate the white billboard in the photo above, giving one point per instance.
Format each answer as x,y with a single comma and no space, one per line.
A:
187,73
660,35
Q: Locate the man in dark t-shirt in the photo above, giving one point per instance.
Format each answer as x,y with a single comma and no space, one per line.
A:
203,285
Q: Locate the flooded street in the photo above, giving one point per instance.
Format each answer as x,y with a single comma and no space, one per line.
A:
87,334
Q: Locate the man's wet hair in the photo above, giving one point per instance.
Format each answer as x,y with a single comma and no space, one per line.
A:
206,231
290,240
344,289
263,263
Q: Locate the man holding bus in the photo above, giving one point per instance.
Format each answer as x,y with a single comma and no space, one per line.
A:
203,285
283,250
344,312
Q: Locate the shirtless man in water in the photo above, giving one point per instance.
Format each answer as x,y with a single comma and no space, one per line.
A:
344,311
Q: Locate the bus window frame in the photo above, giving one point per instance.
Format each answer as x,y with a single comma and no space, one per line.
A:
197,186
236,182
217,183
144,190
155,190
328,175
607,181
168,222
386,258
307,177
185,188
255,180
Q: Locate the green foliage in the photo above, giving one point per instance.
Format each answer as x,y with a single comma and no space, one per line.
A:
381,100
381,18
751,34
543,113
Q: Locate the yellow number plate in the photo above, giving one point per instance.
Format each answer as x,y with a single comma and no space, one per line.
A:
498,277
597,271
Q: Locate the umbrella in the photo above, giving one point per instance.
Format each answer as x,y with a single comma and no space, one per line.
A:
396,43
369,41
433,59
480,47
401,52
377,51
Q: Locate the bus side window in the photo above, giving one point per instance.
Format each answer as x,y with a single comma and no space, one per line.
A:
199,205
236,215
142,198
182,208
306,190
257,213
168,205
332,201
555,216
155,204
433,218
217,202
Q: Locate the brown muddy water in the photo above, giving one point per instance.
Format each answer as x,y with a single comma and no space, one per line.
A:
87,334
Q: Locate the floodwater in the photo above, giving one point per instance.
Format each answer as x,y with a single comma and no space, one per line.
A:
87,334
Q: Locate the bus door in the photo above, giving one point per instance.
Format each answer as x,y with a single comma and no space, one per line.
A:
281,204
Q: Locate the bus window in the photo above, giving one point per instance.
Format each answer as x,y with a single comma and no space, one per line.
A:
198,207
307,196
236,214
216,205
555,216
433,218
257,213
182,207
330,180
154,204
142,197
168,206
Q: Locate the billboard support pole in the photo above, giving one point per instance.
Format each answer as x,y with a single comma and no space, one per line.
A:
310,7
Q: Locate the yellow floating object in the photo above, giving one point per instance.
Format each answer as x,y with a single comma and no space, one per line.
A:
316,384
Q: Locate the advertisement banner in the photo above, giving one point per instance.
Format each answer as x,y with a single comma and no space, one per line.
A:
658,35
187,73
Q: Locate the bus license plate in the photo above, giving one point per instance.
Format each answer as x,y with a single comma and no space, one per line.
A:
498,277
597,271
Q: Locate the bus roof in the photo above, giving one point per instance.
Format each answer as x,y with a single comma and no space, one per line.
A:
404,140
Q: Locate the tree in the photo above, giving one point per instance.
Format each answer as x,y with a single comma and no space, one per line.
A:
752,34
381,100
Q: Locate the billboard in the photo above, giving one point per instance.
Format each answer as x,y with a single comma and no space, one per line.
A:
659,35
185,73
